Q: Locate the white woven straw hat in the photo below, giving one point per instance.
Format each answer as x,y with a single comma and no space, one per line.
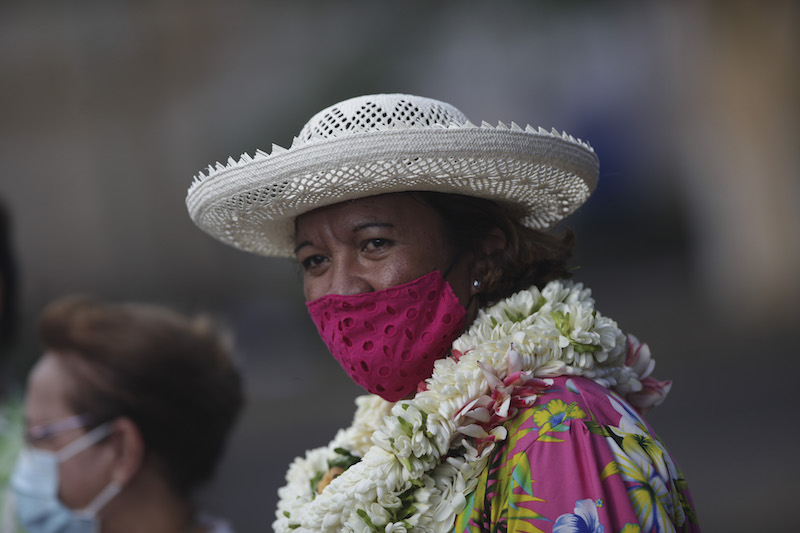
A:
385,143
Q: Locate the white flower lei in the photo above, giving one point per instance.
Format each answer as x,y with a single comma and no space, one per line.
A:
401,482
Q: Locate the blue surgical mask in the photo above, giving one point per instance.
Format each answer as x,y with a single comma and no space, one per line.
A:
34,484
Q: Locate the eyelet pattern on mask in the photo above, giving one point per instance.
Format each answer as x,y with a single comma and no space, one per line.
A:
388,341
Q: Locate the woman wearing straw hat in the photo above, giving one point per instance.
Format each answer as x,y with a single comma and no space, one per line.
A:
501,399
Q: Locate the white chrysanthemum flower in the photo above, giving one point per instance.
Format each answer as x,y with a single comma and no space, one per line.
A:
357,438
421,445
408,412
441,430
517,308
578,294
402,446
378,514
395,527
315,460
556,291
390,501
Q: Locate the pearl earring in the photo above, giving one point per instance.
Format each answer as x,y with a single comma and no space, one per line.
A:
476,284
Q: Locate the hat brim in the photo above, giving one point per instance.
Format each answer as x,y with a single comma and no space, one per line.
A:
252,205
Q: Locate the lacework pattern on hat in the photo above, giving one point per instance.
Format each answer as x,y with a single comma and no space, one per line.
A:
374,113
425,174
260,204
260,155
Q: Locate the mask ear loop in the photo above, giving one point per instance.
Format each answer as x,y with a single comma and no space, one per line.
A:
105,496
78,445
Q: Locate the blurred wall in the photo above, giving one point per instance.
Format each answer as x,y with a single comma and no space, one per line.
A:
691,240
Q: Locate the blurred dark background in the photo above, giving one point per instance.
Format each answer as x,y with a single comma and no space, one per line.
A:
691,242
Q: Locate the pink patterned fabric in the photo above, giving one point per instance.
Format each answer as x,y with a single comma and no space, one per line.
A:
387,341
579,460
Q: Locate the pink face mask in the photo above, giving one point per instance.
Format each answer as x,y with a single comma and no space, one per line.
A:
387,341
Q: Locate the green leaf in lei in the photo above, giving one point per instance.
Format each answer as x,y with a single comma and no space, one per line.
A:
345,459
407,507
365,517
314,482
515,317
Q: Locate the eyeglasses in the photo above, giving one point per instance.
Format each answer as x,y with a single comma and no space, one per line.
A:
48,430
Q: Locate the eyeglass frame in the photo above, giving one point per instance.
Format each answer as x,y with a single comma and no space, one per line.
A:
47,430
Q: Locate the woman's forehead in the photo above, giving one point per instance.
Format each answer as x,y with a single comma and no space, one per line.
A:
49,385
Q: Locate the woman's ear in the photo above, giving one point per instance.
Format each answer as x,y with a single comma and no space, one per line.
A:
129,450
491,243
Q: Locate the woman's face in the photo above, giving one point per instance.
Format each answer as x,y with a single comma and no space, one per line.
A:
84,475
375,243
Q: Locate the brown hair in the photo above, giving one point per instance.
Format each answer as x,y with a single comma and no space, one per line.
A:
173,377
530,257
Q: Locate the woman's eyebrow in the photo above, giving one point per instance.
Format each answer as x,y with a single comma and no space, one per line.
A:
360,227
366,225
300,246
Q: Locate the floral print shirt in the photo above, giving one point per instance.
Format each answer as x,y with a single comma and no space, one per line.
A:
579,460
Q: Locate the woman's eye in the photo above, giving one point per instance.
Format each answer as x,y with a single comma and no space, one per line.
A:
313,261
376,244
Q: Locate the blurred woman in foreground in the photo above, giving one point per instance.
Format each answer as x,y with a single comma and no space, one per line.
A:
126,413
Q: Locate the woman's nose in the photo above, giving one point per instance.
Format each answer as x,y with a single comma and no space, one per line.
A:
346,280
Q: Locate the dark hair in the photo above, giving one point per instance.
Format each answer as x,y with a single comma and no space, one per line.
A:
8,282
173,377
530,257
